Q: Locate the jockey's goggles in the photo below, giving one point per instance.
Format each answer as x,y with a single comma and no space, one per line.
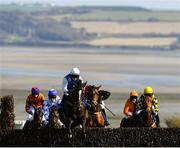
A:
74,76
133,97
52,96
35,95
150,95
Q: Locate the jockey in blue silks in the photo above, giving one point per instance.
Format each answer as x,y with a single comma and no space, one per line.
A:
70,83
71,80
53,101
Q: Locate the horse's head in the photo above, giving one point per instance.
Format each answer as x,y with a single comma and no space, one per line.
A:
148,103
78,88
53,117
38,114
92,96
95,93
53,112
92,93
147,115
75,96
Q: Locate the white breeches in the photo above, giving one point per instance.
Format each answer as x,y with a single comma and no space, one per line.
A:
30,117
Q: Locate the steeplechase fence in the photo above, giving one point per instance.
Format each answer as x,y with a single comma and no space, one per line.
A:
7,112
98,137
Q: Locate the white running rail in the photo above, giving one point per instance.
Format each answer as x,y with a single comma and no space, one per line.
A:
19,124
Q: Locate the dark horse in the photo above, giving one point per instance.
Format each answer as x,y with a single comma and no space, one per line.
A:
53,119
144,119
73,112
37,121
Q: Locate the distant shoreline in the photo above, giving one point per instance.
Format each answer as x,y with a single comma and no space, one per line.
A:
85,46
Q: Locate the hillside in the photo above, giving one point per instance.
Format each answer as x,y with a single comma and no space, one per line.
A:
21,27
78,26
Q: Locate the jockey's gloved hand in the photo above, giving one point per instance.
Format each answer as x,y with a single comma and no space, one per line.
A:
66,94
53,107
130,114
30,112
155,113
59,102
136,113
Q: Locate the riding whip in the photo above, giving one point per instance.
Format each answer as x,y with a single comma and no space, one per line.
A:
109,110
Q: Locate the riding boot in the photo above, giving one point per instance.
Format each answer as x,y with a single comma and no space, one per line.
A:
157,120
105,118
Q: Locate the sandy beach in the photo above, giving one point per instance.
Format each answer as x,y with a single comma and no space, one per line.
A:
118,72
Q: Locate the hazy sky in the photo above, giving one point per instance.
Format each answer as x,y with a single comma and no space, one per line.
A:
155,4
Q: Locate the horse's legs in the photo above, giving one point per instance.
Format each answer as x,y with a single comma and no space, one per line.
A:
70,128
62,116
127,122
122,124
27,125
84,127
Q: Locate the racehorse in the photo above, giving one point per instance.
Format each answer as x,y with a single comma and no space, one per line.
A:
95,117
37,121
144,119
73,113
53,119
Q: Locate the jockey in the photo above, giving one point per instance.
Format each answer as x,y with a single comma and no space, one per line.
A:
52,101
35,99
148,91
130,106
70,82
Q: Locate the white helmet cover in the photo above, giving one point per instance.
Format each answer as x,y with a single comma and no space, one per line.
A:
75,71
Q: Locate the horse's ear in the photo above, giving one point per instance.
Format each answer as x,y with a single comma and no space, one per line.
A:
98,87
84,84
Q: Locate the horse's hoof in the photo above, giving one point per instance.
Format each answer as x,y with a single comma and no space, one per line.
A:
70,136
84,135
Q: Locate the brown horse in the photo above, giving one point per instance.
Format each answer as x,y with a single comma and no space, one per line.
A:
144,119
53,119
95,117
37,121
149,111
73,112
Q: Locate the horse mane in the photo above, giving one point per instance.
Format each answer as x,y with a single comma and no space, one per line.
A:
53,118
